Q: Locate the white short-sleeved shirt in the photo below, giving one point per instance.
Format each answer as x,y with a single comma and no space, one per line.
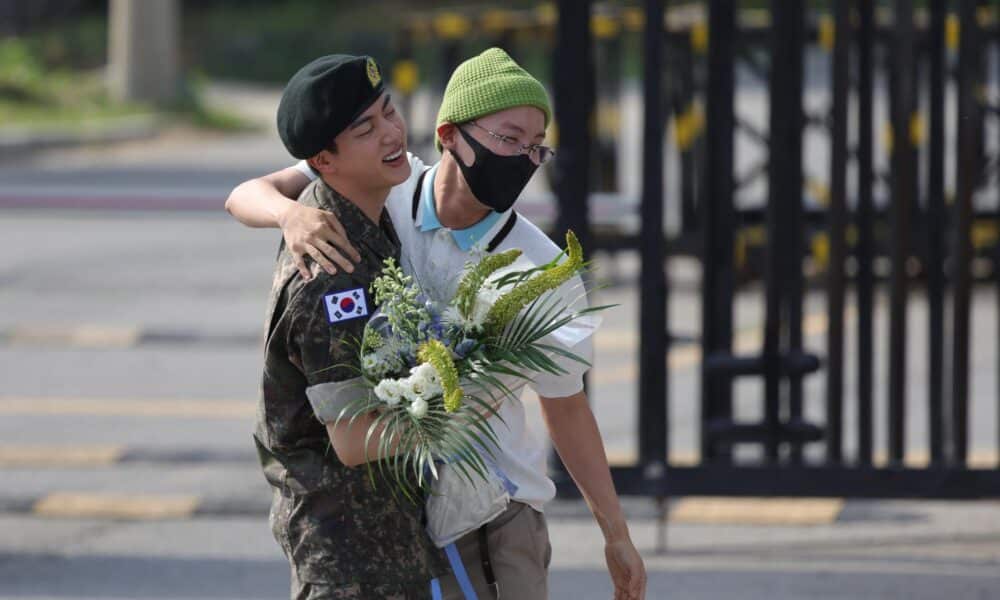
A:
436,256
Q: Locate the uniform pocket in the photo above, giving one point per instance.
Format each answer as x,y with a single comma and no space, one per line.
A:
281,509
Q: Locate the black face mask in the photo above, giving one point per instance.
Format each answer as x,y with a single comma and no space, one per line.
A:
495,180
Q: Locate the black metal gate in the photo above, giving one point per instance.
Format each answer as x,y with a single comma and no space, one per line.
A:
926,241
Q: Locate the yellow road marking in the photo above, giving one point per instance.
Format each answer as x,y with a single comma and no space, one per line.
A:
622,457
80,336
59,456
125,407
115,506
615,339
756,511
919,459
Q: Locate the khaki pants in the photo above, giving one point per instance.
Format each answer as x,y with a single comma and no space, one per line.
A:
519,553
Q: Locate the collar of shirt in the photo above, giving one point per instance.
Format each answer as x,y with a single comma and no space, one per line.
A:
379,237
464,238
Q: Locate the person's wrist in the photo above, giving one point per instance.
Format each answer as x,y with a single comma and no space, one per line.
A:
281,214
616,531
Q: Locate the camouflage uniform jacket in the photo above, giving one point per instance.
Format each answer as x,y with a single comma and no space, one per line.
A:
335,527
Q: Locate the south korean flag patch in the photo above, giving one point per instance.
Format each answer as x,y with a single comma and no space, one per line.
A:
346,305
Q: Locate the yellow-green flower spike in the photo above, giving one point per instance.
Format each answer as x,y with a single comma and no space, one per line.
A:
511,303
435,353
471,283
371,340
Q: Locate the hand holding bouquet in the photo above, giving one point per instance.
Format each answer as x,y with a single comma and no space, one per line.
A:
433,374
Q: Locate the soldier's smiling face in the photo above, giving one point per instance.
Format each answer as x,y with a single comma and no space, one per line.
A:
373,148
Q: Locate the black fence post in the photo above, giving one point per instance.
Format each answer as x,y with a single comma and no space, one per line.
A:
784,211
968,174
934,266
996,273
683,97
903,175
718,223
608,63
573,82
574,104
654,340
837,227
865,223
794,285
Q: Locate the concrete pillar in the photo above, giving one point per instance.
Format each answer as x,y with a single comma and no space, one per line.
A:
143,50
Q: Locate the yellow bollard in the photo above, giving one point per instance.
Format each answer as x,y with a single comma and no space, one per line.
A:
952,32
699,37
405,76
918,129
827,33
821,249
604,26
495,22
634,19
451,26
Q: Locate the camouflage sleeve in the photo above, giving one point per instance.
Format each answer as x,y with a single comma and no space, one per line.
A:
327,319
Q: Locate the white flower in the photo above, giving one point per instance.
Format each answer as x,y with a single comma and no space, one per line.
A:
417,387
425,380
406,388
389,391
418,408
369,363
488,294
433,378
473,324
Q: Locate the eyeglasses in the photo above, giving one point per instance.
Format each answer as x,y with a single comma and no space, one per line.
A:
541,154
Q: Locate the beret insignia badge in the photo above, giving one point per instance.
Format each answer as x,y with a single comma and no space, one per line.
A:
373,73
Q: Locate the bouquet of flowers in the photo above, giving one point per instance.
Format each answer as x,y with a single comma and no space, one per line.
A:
433,373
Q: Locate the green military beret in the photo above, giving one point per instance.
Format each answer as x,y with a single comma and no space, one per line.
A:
323,98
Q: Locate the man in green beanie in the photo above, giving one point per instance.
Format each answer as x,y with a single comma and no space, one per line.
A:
491,129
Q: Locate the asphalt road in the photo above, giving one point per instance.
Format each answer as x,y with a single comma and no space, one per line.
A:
129,352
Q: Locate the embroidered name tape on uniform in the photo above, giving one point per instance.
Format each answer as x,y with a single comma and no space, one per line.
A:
346,305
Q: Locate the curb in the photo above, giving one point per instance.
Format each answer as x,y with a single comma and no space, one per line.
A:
16,140
81,457
118,337
781,512
133,507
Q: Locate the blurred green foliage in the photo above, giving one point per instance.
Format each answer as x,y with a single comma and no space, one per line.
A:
39,95
80,43
35,94
192,108
270,41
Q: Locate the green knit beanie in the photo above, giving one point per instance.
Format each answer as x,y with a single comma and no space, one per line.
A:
486,84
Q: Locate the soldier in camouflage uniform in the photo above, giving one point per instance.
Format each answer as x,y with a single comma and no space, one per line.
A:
344,537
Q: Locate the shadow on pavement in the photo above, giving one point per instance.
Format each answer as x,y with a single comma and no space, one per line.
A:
36,576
